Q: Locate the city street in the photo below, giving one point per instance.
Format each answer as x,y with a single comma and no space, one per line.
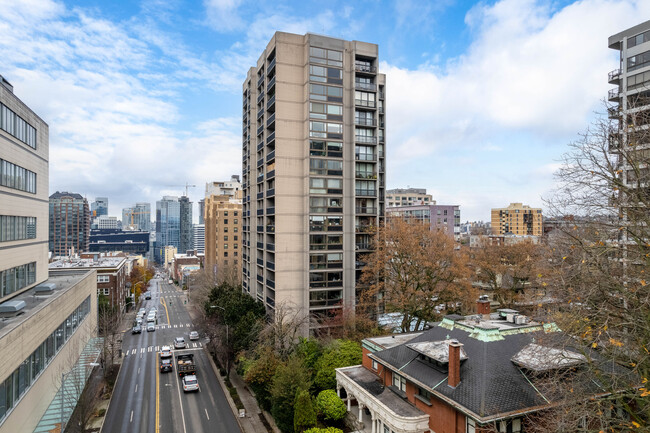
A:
145,400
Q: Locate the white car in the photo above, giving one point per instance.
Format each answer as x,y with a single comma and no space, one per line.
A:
179,343
151,327
190,383
194,335
165,352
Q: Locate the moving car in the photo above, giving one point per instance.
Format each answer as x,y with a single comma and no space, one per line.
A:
190,383
165,352
137,329
147,296
194,335
179,343
166,364
151,327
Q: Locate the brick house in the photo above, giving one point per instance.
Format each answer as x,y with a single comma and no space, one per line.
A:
464,375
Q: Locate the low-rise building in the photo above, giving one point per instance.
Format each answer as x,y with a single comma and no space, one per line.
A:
183,265
112,274
168,255
436,216
128,241
476,241
408,197
464,374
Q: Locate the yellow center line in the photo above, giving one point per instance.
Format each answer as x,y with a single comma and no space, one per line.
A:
162,301
157,395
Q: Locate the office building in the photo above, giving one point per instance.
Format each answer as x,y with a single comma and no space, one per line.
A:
198,243
168,254
223,233
517,219
187,227
436,216
128,241
48,325
319,100
408,197
69,223
99,207
229,188
105,222
137,217
202,211
629,139
168,225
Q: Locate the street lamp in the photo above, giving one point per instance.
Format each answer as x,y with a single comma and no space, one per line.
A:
63,376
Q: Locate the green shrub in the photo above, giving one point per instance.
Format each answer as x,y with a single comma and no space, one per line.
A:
304,415
324,430
289,379
330,406
340,353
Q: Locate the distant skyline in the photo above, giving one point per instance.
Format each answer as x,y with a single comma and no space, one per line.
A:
142,97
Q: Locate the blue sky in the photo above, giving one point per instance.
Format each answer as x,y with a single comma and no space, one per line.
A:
482,97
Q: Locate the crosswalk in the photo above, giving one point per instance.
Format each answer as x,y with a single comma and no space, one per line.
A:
180,325
153,349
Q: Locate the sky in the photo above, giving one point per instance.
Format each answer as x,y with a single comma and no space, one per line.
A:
142,97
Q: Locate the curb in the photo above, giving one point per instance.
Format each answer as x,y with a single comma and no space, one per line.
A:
110,400
231,402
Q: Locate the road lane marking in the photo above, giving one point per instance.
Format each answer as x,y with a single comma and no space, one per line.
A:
178,388
174,326
131,419
206,414
138,370
162,301
142,350
149,349
157,397
136,387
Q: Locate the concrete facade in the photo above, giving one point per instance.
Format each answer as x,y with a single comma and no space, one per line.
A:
23,197
436,216
313,171
518,219
408,197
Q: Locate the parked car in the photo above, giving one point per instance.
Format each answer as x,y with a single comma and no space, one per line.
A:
179,343
165,352
151,327
137,329
190,383
194,335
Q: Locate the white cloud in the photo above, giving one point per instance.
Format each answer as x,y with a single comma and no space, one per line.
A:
223,15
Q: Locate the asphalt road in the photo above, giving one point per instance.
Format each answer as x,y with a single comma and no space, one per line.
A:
145,400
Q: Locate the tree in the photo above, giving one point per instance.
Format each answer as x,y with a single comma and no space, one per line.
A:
330,406
289,379
109,322
260,376
339,353
601,253
414,270
139,279
324,430
304,415
284,331
509,270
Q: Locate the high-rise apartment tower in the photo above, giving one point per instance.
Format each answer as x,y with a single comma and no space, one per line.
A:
168,225
187,227
69,224
313,171
517,219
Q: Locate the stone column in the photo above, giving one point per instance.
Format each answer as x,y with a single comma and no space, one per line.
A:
349,401
374,422
361,406
338,390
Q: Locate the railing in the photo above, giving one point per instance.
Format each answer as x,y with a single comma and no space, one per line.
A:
270,192
614,75
365,86
364,103
260,245
365,175
260,212
365,122
613,94
365,68
260,177
260,81
270,120
260,195
271,102
382,95
260,162
366,210
270,228
270,174
365,157
260,97
260,146
270,283
365,139
270,247
270,265
270,211
260,129
260,279
366,192
271,83
260,113
260,261
270,137
270,156
271,65
363,246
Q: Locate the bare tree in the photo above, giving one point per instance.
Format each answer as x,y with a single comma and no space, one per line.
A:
283,331
109,322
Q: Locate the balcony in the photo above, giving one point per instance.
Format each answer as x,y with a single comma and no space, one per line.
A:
260,262
270,211
614,112
366,210
260,81
260,162
260,195
364,228
614,141
381,110
270,247
366,69
271,84
270,283
613,95
364,103
260,212
270,265
362,246
270,105
270,228
260,146
270,192
614,77
270,121
365,175
365,86
365,157
270,67
260,129
260,97
260,245
270,138
365,139
270,156
270,175
366,192
260,278
382,95
365,122
382,139
260,113
260,177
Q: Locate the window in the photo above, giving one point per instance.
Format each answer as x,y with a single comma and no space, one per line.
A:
236,238
319,185
17,126
325,130
103,278
325,56
17,228
399,382
365,153
225,213
225,238
374,365
638,80
325,204
225,229
325,75
326,148
236,221
17,278
225,221
16,177
638,39
364,99
225,246
106,291
321,92
225,253
424,396
325,167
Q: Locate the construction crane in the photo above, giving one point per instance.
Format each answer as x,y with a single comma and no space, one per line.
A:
186,186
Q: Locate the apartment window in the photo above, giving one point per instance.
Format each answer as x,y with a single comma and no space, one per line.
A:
236,213
511,426
225,238
15,125
638,80
103,278
236,229
325,204
375,366
318,185
16,177
225,221
365,170
17,228
365,153
236,254
17,278
399,382
225,213
325,223
325,56
236,238
225,229
325,167
638,39
424,396
321,92
325,148
236,221
325,75
225,246
325,242
320,110
364,99
225,253
325,130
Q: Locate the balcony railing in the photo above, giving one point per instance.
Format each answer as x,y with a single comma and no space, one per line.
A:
365,139
365,86
365,122
366,210
365,68
270,156
270,137
365,103
260,177
260,129
362,246
260,212
271,84
270,283
270,229
260,162
270,247
260,245
260,97
270,103
271,66
270,192
613,95
614,76
270,121
365,157
260,195
260,146
260,81
270,211
366,192
365,175
260,113
260,261
270,265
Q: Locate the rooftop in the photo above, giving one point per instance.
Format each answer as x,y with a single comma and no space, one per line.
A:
75,263
34,303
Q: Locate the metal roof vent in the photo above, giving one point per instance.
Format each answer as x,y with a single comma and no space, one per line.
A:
12,308
44,289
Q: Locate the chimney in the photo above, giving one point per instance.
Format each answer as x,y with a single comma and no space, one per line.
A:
483,306
454,364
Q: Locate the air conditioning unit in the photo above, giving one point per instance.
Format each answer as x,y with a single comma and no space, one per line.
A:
510,317
521,319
